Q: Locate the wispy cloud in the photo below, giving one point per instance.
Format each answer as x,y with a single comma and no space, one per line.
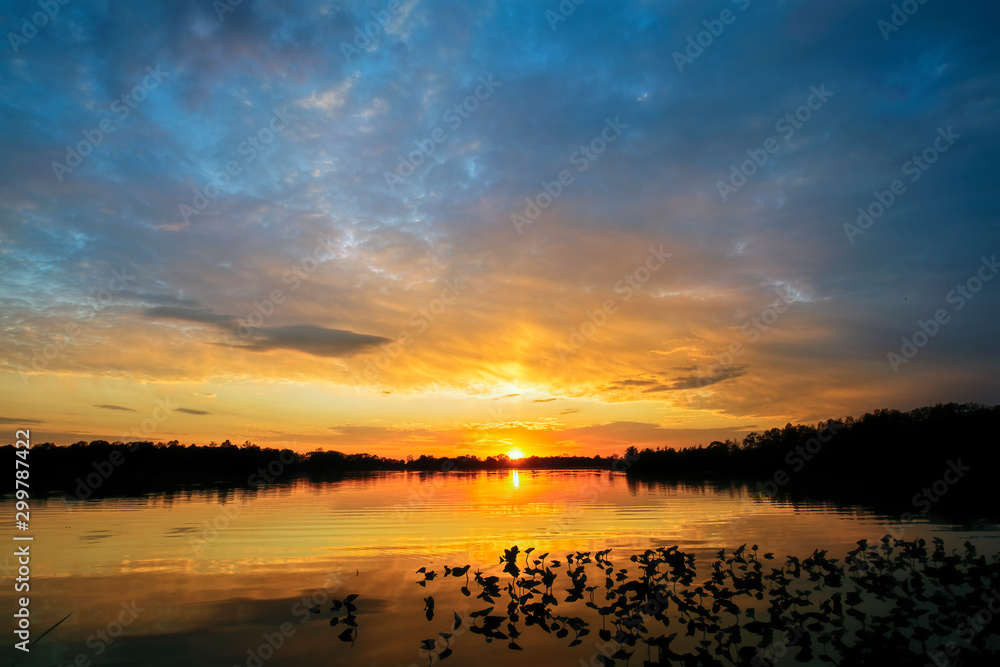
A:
190,315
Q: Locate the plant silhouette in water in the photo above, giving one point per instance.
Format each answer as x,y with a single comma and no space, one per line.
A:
350,620
891,603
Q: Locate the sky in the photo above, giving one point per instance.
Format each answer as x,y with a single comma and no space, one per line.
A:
447,227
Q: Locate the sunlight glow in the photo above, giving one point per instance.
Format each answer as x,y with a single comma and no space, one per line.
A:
515,454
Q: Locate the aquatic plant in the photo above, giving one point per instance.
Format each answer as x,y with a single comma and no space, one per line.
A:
350,620
892,602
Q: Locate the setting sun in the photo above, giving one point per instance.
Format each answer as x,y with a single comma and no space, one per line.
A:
515,453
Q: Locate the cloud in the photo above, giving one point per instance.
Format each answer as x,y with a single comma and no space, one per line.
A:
310,339
667,383
331,99
699,381
165,299
189,411
189,315
632,383
314,340
114,407
14,420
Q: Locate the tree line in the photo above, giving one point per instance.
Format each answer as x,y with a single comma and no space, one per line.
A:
100,467
931,458
944,454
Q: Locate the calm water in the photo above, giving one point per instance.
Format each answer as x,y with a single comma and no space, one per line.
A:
205,578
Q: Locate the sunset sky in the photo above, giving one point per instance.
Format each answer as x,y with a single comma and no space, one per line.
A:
489,225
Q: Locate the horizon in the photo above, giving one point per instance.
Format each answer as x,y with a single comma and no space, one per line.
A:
513,453
499,227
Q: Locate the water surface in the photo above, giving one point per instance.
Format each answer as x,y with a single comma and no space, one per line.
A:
206,577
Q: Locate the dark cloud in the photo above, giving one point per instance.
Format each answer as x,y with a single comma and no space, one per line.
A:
14,420
189,411
666,383
315,340
114,407
632,382
703,380
311,339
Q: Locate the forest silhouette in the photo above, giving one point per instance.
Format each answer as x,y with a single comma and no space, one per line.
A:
938,458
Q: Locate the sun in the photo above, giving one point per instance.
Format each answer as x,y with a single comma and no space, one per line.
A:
515,454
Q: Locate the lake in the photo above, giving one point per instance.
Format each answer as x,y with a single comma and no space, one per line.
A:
228,577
